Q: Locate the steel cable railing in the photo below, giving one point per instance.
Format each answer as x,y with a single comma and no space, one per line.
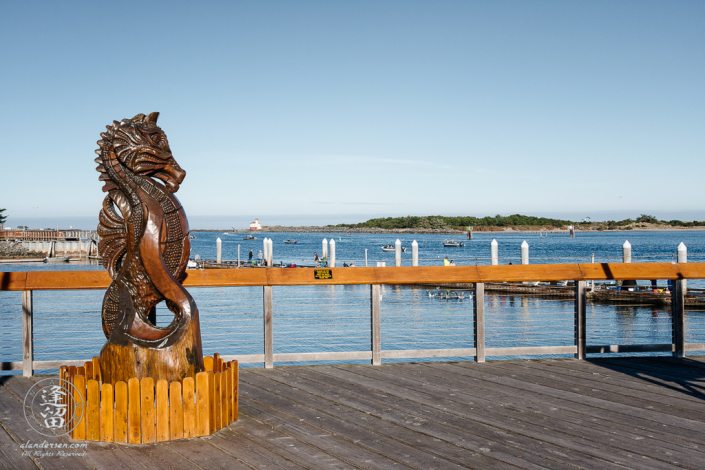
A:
336,323
416,319
325,319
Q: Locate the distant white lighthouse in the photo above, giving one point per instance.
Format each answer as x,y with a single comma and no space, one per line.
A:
255,225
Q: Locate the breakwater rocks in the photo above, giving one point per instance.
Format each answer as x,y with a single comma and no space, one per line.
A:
279,228
15,250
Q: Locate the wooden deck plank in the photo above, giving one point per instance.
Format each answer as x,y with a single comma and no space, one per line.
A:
603,376
486,381
698,356
18,385
571,441
686,368
202,454
565,410
600,413
663,404
409,446
472,450
679,371
358,431
689,363
677,414
661,370
469,415
251,453
658,378
12,419
307,432
158,457
657,445
11,454
287,446
548,391
110,457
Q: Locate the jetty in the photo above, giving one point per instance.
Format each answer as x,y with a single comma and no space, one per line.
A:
52,242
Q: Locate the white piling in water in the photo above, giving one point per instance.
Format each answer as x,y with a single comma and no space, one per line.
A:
627,252
365,257
265,247
494,248
682,253
683,258
270,257
331,259
324,253
238,256
219,250
397,252
414,253
524,253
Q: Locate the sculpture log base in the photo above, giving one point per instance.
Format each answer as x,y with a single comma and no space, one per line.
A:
125,362
176,362
142,411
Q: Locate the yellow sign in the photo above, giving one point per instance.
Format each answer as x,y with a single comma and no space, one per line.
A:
323,274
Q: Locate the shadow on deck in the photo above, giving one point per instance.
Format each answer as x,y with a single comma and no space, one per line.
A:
600,413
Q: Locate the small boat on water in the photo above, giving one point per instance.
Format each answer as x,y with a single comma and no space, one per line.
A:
391,248
192,264
452,243
290,242
250,237
62,259
192,236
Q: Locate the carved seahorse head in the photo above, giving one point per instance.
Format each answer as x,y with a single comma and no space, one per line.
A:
140,146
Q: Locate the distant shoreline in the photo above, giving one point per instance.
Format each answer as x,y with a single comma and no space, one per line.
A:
314,229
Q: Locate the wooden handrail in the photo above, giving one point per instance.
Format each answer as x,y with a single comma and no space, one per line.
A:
57,280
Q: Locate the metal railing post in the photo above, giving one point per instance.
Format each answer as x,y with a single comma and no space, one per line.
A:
376,325
479,312
580,321
27,346
268,331
678,310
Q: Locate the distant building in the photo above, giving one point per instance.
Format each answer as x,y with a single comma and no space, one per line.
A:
255,225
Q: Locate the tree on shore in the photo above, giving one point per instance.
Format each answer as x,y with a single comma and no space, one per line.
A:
3,218
649,219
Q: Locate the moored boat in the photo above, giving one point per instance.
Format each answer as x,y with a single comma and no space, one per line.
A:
391,248
452,243
62,259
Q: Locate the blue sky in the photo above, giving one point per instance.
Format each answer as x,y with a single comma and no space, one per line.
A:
323,112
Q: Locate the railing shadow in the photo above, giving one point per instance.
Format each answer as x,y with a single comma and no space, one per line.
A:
682,375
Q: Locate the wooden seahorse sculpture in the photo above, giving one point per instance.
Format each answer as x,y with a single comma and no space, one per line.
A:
145,246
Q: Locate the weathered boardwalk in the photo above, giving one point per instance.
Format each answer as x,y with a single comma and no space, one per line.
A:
603,414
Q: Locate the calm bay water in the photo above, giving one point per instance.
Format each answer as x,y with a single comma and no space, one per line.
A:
556,248
336,318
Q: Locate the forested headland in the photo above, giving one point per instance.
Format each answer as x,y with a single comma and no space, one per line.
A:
515,222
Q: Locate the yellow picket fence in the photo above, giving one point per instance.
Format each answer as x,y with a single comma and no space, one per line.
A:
137,412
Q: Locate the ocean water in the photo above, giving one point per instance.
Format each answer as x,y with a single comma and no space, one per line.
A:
337,318
657,246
